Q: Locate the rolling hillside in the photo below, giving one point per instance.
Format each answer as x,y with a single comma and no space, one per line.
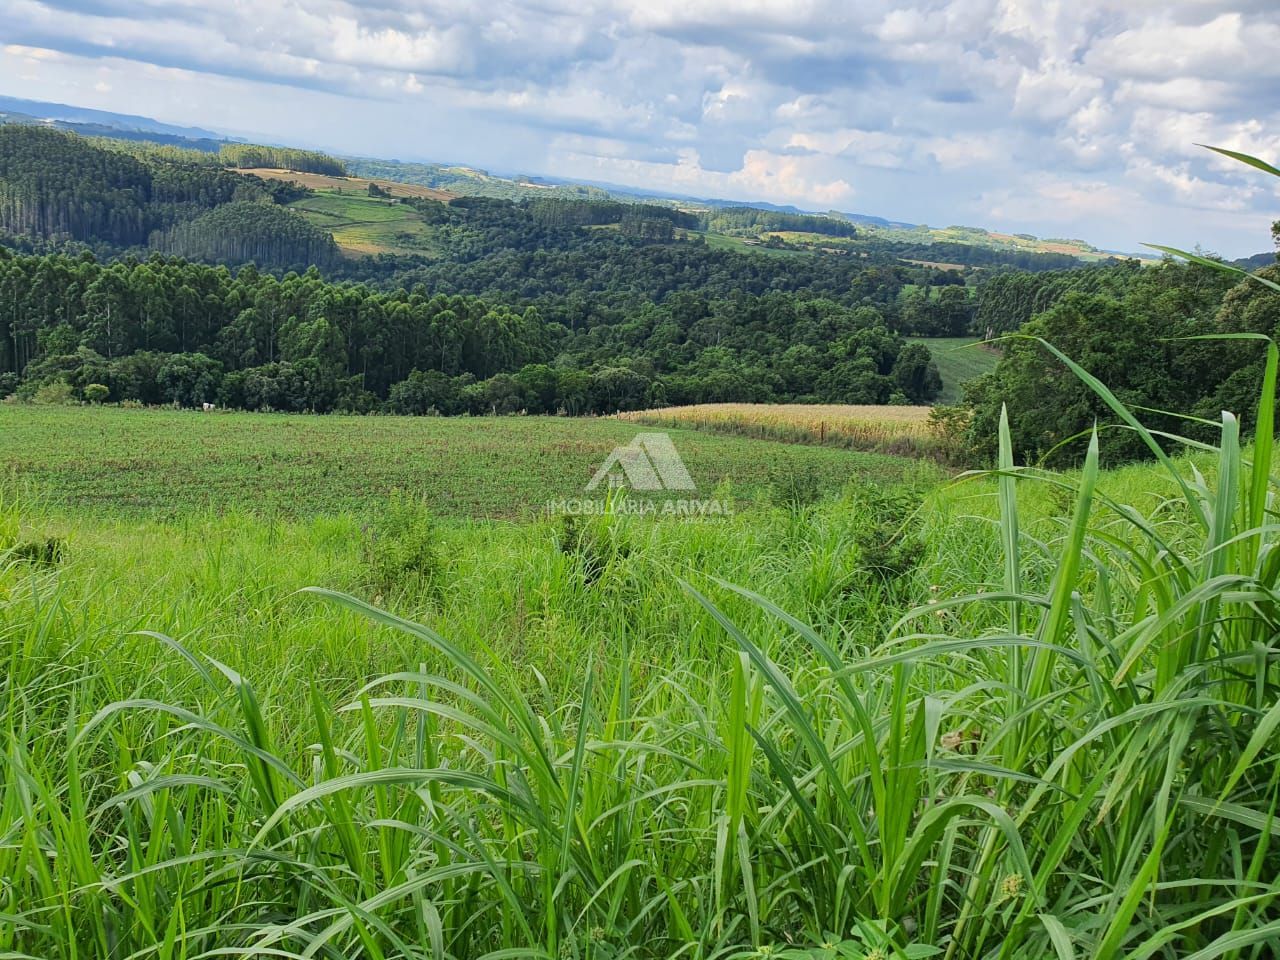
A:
959,359
364,225
352,185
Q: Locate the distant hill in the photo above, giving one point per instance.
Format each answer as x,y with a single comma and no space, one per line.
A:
1256,262
870,221
471,181
82,116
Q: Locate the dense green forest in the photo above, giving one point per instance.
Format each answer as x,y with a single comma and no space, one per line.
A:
531,253
57,187
165,330
575,213
1008,300
1132,327
544,305
248,155
752,220
247,231
54,184
581,261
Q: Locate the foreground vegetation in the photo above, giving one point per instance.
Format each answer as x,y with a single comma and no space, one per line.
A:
1038,719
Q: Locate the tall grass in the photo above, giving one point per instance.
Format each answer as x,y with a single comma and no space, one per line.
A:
1078,758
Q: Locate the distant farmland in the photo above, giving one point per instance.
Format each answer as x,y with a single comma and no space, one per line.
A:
353,185
363,225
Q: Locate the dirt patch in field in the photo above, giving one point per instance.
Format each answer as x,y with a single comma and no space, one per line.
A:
320,181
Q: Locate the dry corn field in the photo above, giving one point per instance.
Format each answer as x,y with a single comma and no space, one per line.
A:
887,429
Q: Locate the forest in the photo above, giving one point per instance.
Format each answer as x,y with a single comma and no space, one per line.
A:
57,187
531,308
166,330
1180,341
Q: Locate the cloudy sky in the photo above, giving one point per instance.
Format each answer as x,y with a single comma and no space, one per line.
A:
1057,117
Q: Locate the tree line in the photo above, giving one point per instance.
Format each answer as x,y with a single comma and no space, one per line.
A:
166,330
750,221
243,232
1006,301
57,187
250,155
1138,329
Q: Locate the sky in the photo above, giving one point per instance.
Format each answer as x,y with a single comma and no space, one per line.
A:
1063,118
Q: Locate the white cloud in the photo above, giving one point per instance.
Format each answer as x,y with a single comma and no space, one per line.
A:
871,148
965,150
991,111
1054,90
1227,46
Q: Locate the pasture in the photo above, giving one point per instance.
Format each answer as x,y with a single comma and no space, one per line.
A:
364,225
959,360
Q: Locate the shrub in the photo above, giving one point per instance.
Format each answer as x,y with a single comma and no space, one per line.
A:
42,551
794,486
400,548
594,545
56,392
96,392
949,425
887,540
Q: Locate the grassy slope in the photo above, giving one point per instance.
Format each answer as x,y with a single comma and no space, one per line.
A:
366,225
958,361
170,461
720,241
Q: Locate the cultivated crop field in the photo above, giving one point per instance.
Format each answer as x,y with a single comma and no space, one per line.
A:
903,430
257,704
354,185
114,461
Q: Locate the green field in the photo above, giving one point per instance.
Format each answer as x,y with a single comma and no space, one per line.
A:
958,359
999,719
720,241
115,460
367,225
